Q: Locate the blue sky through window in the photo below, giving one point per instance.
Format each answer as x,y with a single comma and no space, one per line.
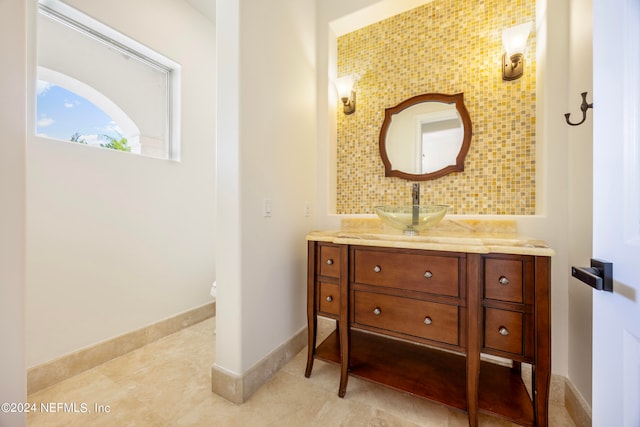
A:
62,113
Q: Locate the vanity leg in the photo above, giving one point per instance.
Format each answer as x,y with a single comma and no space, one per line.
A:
474,327
343,323
344,359
473,379
542,368
312,318
311,344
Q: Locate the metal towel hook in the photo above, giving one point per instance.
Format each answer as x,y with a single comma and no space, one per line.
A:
583,107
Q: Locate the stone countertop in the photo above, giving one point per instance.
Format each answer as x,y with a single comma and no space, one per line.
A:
450,235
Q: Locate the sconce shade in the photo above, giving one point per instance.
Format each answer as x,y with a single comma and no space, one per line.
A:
514,39
344,86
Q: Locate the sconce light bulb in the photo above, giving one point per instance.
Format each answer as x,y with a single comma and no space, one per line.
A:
514,40
344,86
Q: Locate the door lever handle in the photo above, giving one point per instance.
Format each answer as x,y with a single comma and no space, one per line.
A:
599,276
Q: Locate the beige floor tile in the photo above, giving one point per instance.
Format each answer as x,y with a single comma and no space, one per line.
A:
168,383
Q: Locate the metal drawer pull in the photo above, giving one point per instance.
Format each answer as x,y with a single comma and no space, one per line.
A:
377,269
427,320
503,331
503,280
329,298
329,261
377,311
428,274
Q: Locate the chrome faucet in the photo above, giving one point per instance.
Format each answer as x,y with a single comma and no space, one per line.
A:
415,194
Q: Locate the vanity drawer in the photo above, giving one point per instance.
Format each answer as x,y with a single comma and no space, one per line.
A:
503,330
409,271
424,319
503,280
329,260
329,298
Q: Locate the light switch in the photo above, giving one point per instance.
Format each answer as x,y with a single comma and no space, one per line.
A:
267,208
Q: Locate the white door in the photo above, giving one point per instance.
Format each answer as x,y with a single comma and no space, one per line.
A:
616,216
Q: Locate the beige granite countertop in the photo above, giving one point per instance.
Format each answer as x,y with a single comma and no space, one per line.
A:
451,235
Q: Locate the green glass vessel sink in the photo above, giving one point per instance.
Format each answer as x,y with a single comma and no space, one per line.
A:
411,219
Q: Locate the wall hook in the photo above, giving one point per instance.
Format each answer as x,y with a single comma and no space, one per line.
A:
583,107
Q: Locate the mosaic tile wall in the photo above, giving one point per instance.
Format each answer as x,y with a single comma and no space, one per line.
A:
446,46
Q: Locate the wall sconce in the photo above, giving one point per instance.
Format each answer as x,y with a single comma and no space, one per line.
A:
344,86
514,40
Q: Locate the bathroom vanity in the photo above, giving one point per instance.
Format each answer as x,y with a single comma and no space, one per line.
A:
415,313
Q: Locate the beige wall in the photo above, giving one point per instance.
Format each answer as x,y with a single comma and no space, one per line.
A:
118,241
13,379
444,46
580,143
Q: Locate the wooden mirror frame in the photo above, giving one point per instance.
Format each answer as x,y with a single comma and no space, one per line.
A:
458,100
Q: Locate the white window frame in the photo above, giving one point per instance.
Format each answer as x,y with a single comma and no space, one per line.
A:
98,31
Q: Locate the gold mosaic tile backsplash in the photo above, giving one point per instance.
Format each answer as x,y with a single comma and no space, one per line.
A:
445,46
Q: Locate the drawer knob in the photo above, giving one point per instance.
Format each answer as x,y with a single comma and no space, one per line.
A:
329,261
503,331
329,298
427,320
503,280
377,269
428,274
377,311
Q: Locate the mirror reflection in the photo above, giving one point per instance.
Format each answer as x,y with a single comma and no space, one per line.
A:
425,137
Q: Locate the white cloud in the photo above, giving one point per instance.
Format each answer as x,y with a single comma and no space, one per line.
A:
92,139
71,104
113,127
45,121
43,87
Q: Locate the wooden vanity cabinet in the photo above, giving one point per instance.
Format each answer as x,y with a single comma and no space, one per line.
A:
409,295
417,321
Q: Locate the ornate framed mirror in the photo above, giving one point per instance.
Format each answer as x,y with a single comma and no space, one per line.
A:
425,137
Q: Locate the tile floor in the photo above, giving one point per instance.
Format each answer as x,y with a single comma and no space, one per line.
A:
167,383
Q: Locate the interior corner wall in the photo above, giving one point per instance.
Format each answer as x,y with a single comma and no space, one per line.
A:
267,140
13,378
117,241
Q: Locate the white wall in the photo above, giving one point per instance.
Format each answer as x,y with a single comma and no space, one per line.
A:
266,142
552,220
580,142
13,379
118,241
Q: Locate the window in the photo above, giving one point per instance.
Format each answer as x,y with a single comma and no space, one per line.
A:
98,87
